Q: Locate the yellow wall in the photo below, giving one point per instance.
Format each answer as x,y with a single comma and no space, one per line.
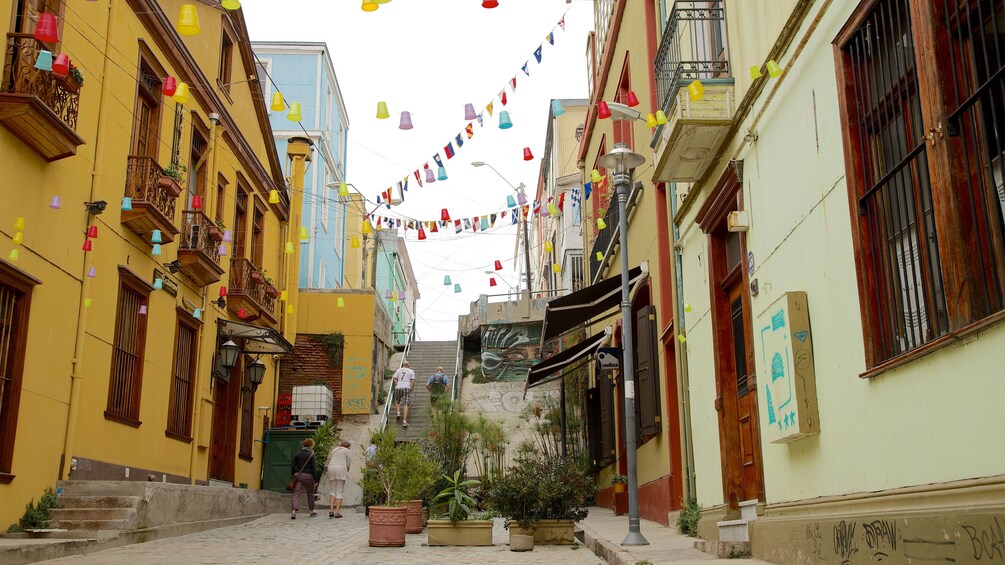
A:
353,227
321,316
52,253
928,421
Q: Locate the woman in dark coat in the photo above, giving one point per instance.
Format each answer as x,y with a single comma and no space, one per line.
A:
303,468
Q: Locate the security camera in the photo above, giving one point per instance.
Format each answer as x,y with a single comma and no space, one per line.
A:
275,357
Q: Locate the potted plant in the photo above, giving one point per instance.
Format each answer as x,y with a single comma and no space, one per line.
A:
270,286
257,276
421,475
173,178
71,81
396,474
544,498
457,528
620,483
216,230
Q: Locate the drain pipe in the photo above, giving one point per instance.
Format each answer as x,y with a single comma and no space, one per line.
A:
77,373
685,403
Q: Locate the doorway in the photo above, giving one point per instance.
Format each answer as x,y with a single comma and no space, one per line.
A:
223,443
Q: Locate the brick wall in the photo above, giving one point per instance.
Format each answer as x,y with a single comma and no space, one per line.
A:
307,365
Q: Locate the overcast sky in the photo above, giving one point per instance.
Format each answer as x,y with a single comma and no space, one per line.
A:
430,57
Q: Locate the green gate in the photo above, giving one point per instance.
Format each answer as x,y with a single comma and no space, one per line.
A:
279,451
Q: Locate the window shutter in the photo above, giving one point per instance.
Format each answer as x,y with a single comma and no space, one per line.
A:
647,390
593,426
606,390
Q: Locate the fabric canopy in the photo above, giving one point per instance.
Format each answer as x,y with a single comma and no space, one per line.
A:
539,373
256,338
567,312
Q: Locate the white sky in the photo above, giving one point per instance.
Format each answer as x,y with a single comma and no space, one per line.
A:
430,57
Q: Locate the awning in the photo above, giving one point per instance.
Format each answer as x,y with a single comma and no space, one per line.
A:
567,312
256,338
539,373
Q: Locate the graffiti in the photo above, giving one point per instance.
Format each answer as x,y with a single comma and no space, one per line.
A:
880,535
779,390
815,538
509,351
844,541
495,401
355,387
987,542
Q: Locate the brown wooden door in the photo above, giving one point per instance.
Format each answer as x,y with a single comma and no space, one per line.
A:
224,440
745,418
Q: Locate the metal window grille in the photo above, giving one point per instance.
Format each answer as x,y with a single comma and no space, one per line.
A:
180,407
10,306
692,47
123,391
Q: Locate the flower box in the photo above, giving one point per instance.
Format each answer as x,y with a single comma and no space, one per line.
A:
271,291
216,233
548,532
169,185
463,533
258,277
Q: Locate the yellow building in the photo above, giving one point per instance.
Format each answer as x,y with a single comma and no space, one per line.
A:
115,272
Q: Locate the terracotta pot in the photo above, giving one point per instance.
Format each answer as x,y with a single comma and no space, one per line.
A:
215,233
257,277
271,291
387,526
169,185
68,82
414,523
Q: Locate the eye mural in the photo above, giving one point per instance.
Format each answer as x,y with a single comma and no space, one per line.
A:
509,351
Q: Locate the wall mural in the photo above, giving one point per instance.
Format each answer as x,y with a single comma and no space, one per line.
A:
510,350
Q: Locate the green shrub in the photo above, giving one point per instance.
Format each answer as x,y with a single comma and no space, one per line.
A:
542,489
37,517
687,521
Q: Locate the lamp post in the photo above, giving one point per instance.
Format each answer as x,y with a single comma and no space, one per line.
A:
623,162
526,239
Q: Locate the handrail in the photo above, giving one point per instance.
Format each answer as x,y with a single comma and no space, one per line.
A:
390,393
455,388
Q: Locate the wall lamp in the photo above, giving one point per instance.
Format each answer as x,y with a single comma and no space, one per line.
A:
96,207
220,302
256,374
173,267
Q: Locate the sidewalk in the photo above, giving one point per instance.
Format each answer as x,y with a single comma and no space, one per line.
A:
603,532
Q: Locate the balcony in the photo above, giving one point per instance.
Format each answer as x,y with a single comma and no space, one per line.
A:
692,48
608,237
197,250
249,290
153,199
35,107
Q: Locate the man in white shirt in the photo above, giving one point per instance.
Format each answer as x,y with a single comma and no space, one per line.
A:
404,382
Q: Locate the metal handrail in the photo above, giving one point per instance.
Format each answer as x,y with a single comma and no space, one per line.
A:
455,388
390,393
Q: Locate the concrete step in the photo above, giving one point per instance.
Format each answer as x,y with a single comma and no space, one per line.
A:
733,530
99,501
102,488
90,525
748,510
78,514
724,549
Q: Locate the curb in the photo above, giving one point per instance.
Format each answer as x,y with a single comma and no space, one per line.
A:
602,548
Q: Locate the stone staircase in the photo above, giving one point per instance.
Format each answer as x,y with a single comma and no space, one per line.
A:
96,512
424,357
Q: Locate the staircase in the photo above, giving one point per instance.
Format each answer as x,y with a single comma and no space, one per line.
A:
98,506
424,357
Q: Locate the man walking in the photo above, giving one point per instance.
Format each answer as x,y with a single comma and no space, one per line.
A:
437,384
404,382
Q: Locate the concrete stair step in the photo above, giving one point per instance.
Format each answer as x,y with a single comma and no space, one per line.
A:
78,514
103,488
724,549
734,530
748,510
99,501
90,525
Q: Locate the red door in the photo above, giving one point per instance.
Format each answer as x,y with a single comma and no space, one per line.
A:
745,419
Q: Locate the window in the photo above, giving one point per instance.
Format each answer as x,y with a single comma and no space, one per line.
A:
322,198
322,275
263,68
241,223
258,238
603,10
146,126
591,62
197,166
179,423
226,57
575,266
600,420
26,16
924,156
623,129
247,416
329,109
15,303
126,379
221,197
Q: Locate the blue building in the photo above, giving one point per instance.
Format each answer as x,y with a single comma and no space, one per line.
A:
303,73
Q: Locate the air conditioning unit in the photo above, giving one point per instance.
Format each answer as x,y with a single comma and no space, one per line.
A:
738,221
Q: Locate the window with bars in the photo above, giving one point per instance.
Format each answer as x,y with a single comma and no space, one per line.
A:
924,153
126,380
15,303
183,378
146,125
576,272
247,416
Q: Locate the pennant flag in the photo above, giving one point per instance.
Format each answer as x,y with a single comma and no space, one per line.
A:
537,54
524,69
434,229
404,188
492,219
401,190
561,22
479,120
449,150
502,97
513,217
474,224
470,128
587,189
502,214
436,158
378,200
467,224
418,178
460,141
457,226
551,38
487,109
512,83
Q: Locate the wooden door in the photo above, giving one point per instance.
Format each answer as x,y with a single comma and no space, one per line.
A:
224,440
745,418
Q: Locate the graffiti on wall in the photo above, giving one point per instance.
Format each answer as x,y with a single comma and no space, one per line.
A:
355,386
510,350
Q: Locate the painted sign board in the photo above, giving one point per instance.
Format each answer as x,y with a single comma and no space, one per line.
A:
786,361
609,358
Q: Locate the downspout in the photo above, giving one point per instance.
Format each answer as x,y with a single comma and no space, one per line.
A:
77,375
681,351
196,411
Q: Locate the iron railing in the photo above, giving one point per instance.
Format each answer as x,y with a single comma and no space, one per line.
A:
386,412
196,236
608,237
143,175
693,47
21,77
247,280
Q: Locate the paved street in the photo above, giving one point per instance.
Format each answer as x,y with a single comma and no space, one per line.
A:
275,539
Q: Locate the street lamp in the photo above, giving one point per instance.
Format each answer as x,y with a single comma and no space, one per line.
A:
623,162
228,354
526,238
256,374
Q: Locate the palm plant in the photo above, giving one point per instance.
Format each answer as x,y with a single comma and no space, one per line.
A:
459,502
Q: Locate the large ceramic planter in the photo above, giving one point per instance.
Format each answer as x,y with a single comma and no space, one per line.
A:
387,526
413,524
548,532
467,532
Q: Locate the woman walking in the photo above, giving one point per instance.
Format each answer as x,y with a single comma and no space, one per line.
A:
303,471
339,461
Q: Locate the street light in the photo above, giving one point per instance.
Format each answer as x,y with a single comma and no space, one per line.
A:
623,162
228,354
256,374
526,238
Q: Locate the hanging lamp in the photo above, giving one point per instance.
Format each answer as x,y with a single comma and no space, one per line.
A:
188,21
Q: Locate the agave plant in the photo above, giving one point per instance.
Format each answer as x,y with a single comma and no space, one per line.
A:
459,502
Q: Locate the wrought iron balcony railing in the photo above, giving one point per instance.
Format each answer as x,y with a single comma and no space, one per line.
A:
247,281
608,237
21,77
143,184
693,47
195,234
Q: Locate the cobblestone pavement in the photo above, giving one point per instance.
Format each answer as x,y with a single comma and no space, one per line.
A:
277,539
